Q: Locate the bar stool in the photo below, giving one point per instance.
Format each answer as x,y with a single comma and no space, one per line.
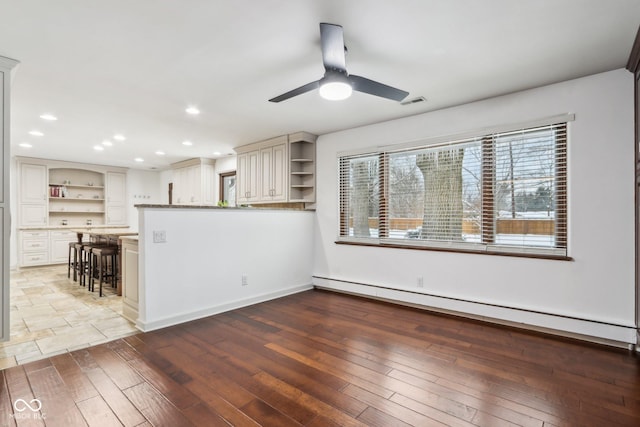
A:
75,248
105,257
70,265
87,261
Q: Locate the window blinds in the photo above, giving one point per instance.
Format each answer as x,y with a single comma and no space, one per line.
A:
504,191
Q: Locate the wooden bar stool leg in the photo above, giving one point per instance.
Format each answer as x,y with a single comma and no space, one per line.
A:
69,264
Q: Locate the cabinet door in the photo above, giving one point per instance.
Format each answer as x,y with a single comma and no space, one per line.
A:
33,215
33,184
208,183
177,177
195,187
241,173
247,176
266,173
273,173
116,188
279,163
130,280
59,245
116,195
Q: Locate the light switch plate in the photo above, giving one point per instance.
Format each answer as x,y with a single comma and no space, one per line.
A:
159,236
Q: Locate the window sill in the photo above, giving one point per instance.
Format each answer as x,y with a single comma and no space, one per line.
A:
457,250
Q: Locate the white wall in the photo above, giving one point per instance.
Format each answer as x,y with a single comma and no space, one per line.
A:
592,295
143,187
198,271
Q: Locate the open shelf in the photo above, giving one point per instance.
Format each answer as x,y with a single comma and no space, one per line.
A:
302,168
76,212
99,187
76,199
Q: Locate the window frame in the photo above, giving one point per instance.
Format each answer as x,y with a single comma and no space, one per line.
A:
487,246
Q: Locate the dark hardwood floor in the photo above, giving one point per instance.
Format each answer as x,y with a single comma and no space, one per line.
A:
322,359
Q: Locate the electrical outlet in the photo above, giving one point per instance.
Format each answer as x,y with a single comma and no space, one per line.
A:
159,236
245,281
421,282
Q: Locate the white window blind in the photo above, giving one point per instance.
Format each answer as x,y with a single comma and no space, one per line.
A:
500,192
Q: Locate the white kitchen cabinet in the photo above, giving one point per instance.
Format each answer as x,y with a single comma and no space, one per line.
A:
54,196
116,197
247,177
56,193
59,245
273,173
32,209
33,183
193,182
130,287
282,169
34,247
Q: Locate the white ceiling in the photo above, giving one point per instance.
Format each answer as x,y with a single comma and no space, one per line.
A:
132,67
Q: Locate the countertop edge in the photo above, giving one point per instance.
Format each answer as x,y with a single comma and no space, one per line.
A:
227,208
69,227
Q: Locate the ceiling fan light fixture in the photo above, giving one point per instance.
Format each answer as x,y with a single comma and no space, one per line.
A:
335,86
335,91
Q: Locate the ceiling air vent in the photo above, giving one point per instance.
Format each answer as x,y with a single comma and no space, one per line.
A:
414,100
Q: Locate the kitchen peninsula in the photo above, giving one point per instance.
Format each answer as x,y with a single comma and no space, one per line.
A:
215,259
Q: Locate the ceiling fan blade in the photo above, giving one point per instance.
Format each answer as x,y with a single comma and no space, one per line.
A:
371,87
332,41
295,92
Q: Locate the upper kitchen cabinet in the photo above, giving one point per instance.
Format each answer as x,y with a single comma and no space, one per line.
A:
54,193
277,170
32,181
247,177
194,182
273,171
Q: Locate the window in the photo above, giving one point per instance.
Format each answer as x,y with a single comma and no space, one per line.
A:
227,189
498,192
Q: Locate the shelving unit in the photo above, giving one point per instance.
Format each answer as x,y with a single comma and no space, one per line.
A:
56,196
76,197
302,167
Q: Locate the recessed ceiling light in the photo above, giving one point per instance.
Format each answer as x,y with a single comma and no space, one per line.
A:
107,143
98,147
49,117
216,153
187,143
119,137
160,153
36,133
139,159
25,145
192,110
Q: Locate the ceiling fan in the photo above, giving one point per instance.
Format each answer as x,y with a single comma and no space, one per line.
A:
337,84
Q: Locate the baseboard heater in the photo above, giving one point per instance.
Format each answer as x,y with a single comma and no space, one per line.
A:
623,336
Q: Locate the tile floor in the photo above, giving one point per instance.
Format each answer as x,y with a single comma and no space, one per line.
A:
51,314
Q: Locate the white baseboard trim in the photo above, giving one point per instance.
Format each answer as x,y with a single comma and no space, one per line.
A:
583,329
152,325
